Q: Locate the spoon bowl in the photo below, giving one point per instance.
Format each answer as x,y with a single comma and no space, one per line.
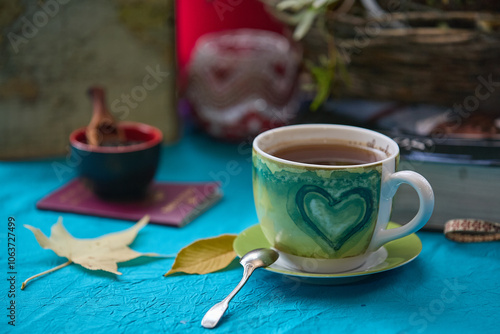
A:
258,258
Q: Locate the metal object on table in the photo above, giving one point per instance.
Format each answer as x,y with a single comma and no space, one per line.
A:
252,260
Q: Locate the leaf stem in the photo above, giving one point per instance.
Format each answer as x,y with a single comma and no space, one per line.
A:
46,272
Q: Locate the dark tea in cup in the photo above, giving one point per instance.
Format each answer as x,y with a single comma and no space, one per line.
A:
328,153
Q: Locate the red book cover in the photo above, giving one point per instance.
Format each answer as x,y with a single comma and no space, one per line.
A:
174,204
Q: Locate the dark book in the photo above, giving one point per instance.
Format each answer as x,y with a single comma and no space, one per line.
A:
174,204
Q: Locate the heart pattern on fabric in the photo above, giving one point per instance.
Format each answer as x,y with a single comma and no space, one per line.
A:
317,221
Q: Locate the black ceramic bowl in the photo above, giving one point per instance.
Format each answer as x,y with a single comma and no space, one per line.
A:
119,171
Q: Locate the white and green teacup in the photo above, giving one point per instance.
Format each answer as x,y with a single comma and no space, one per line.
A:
336,215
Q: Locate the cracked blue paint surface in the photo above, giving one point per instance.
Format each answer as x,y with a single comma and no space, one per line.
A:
449,288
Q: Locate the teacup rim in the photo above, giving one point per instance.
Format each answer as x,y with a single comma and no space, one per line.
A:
258,150
157,137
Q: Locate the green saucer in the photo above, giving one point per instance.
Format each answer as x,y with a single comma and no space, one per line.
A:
393,255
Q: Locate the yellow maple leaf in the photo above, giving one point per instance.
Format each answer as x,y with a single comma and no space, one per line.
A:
101,253
205,256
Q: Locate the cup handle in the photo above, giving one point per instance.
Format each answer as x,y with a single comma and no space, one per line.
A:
426,196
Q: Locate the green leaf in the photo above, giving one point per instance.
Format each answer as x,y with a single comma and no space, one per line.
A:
305,24
205,256
323,77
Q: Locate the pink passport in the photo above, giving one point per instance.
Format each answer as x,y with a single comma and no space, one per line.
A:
174,204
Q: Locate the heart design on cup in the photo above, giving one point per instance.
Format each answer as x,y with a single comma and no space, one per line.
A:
314,221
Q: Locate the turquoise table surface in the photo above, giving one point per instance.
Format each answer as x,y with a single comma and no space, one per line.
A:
449,288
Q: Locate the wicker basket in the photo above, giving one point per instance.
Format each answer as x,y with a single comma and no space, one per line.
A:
431,57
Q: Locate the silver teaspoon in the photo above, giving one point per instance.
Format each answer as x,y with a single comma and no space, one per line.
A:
252,260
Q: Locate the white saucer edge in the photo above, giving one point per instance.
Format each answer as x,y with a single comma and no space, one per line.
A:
374,259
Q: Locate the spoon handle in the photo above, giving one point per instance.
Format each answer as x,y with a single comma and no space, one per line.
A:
215,313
